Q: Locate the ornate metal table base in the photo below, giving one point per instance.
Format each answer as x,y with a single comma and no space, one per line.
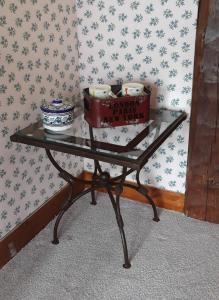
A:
114,188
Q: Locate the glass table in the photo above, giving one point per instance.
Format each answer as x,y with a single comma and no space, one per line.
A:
131,153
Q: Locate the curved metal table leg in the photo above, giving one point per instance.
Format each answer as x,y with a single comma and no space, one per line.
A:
155,218
116,207
93,197
127,264
66,206
142,190
70,179
55,240
96,164
104,181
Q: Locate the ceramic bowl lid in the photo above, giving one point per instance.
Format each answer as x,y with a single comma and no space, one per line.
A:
57,106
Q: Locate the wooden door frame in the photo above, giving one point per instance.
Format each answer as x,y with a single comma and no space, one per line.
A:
200,136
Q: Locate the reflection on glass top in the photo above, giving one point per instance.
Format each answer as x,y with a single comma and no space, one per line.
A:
129,141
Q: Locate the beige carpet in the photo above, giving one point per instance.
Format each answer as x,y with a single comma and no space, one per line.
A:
177,258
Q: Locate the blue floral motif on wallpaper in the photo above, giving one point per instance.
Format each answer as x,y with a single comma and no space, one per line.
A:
54,48
38,61
150,42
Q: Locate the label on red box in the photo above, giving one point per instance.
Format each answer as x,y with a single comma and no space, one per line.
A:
124,111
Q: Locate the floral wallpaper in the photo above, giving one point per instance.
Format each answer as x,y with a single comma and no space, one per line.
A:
38,60
150,42
54,48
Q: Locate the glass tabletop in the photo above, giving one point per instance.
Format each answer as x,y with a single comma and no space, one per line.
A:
123,145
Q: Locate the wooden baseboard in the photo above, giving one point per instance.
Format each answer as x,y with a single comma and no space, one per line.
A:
24,233
162,198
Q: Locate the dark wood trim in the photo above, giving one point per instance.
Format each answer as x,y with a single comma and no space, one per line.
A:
24,233
202,23
162,198
199,137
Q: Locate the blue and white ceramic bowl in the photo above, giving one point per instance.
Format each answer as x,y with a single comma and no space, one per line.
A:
57,115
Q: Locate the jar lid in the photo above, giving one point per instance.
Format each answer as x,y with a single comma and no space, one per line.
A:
57,106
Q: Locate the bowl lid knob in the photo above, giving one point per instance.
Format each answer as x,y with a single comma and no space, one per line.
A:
57,102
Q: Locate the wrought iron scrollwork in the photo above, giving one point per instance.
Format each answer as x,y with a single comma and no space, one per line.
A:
114,187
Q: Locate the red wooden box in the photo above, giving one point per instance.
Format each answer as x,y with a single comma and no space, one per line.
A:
112,112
